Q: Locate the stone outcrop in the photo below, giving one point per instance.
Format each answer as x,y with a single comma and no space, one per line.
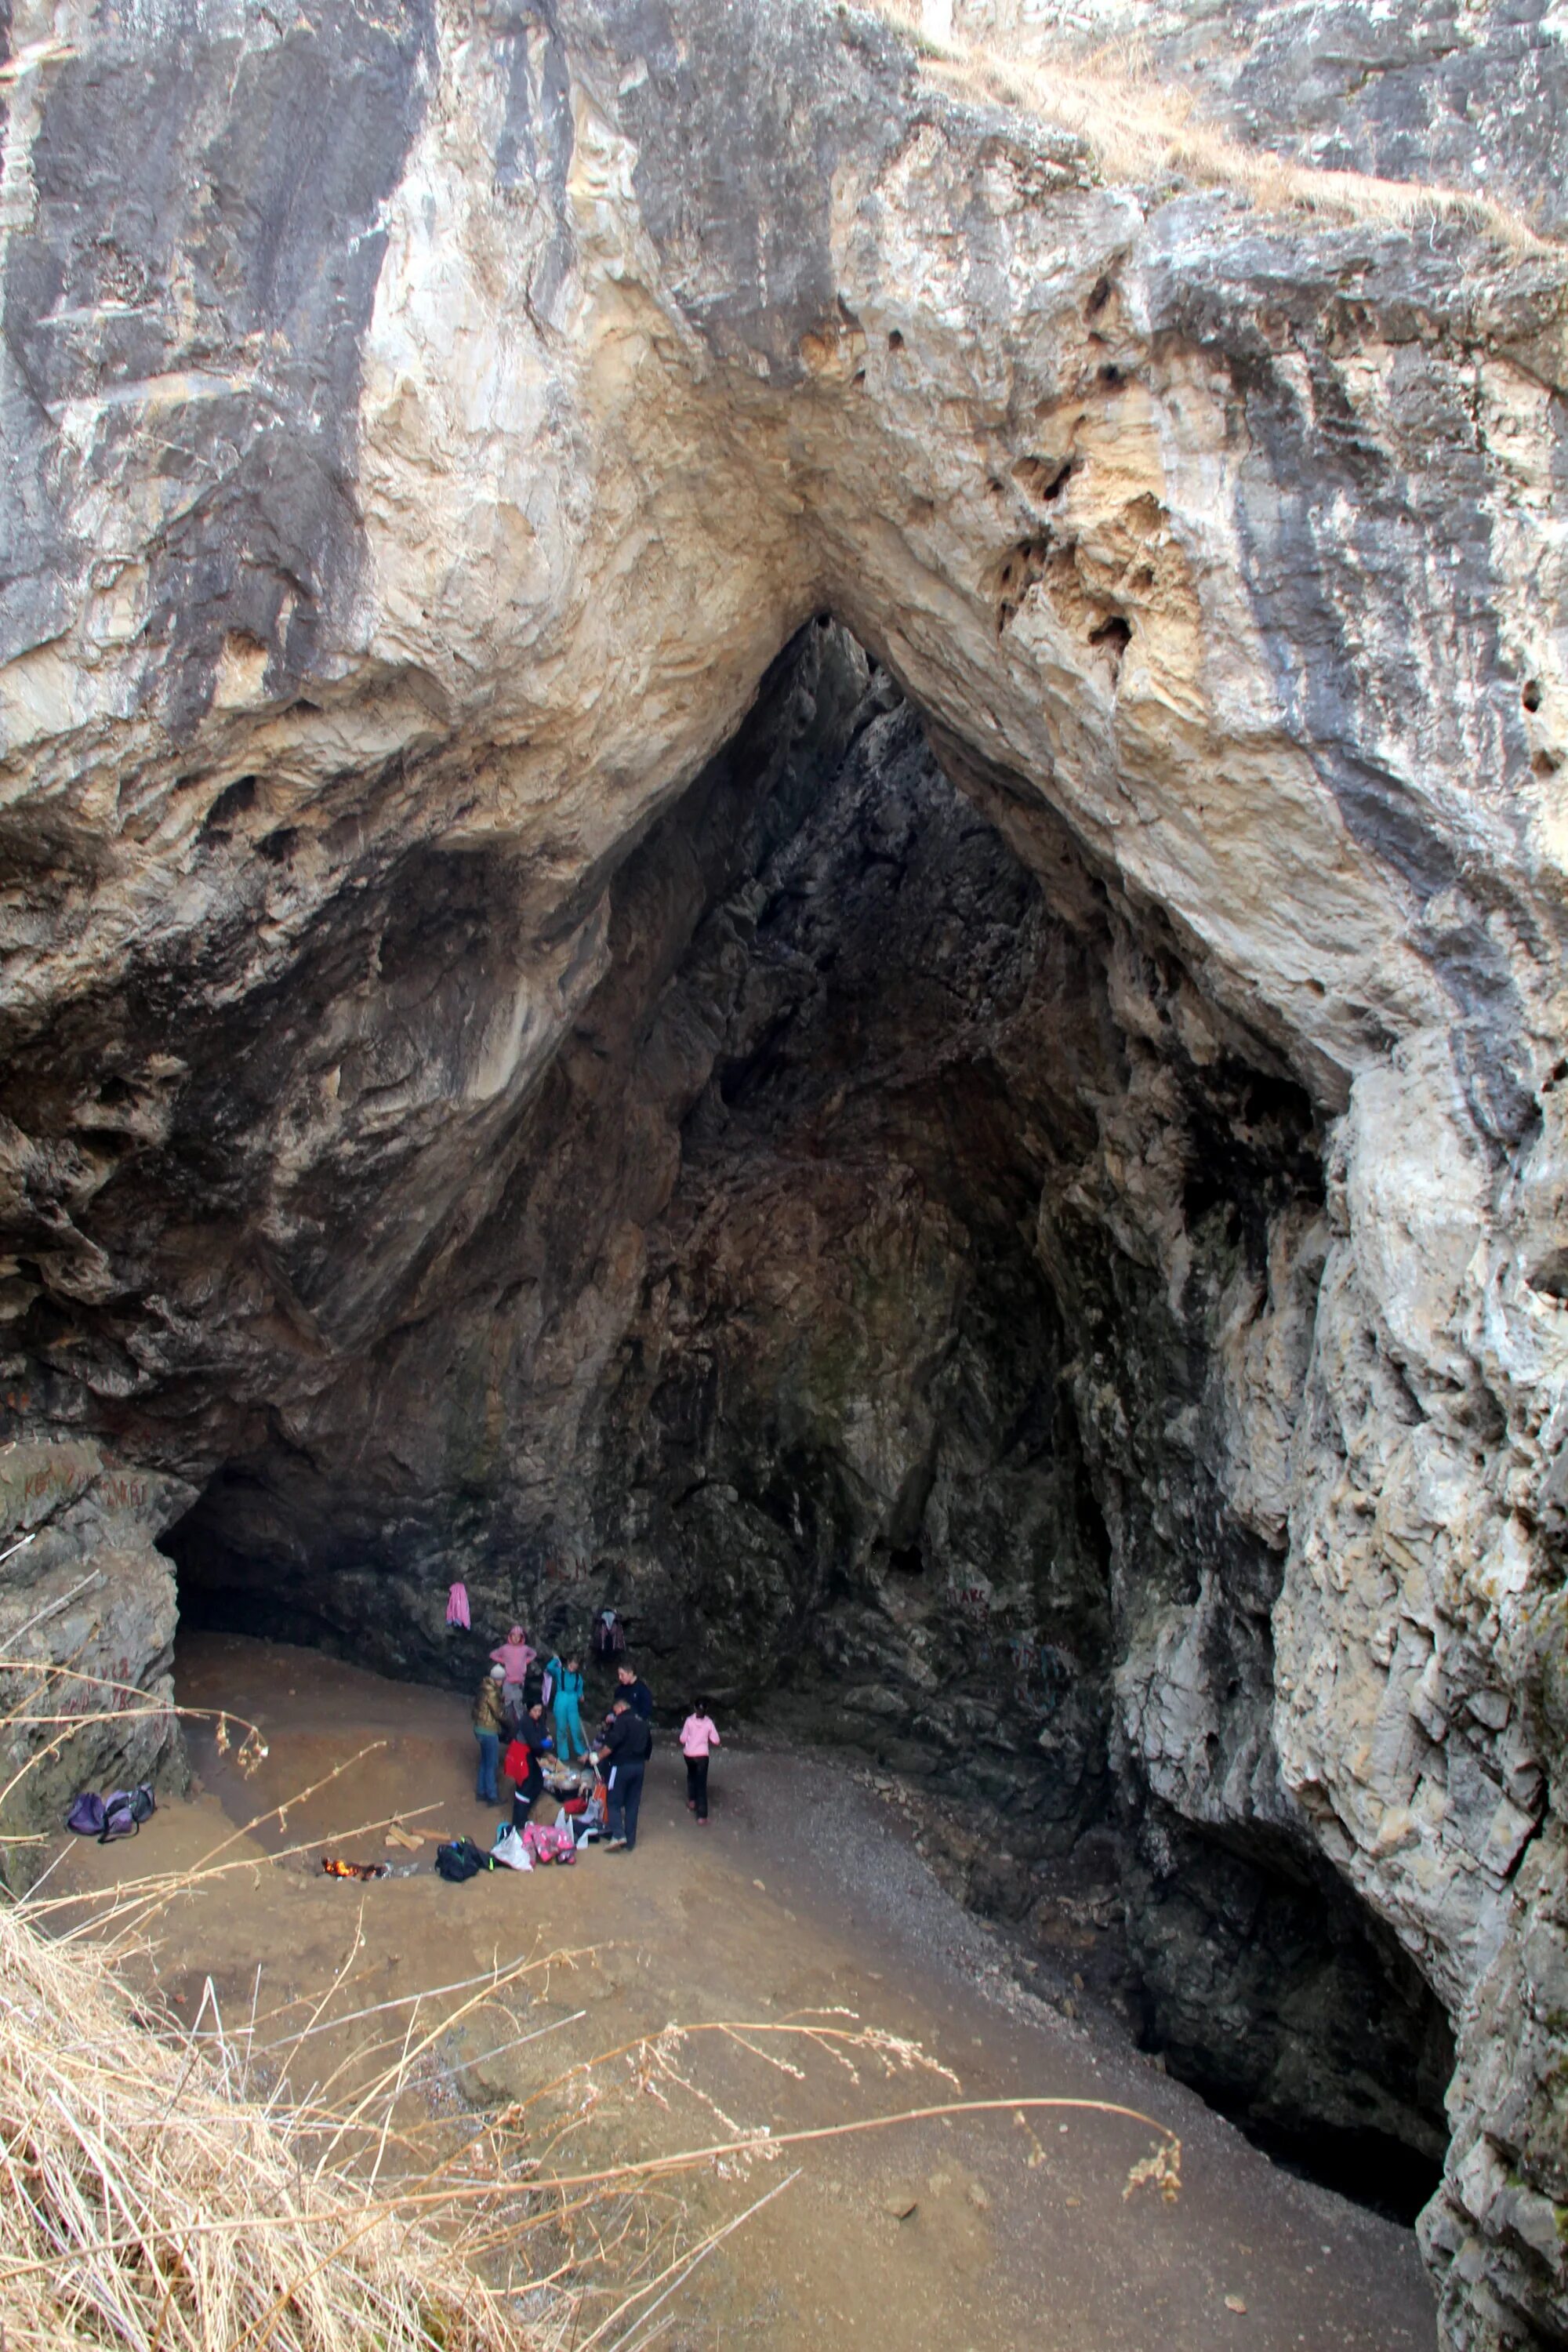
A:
1422,92
438,1131
84,1589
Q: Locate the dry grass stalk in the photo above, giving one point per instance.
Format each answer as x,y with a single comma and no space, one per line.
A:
1143,131
151,2198
147,2206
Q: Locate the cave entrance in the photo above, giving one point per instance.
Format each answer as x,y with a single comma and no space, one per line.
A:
248,1560
846,1307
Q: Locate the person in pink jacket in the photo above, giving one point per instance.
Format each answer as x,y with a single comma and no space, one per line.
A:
514,1656
699,1737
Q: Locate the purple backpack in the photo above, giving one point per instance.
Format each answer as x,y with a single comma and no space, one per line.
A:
117,1815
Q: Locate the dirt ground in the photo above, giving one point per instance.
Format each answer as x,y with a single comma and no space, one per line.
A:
803,1895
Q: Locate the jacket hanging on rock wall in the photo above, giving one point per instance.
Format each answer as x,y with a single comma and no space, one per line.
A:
609,1642
457,1606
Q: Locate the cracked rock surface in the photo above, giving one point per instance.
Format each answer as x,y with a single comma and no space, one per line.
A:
1010,1184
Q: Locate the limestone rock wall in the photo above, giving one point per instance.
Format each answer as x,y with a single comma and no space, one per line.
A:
1469,99
83,1588
424,428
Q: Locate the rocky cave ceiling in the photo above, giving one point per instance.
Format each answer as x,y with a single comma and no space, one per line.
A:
1006,1185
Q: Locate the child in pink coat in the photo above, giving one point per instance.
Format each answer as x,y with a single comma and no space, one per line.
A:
514,1656
699,1737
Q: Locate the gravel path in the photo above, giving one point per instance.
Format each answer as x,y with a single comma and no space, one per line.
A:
1314,2269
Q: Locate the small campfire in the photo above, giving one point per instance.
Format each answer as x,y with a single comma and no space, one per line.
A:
335,1868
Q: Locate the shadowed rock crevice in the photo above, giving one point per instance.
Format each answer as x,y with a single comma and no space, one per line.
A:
820,1326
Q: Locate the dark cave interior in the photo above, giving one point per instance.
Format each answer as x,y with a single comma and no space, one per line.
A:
816,1310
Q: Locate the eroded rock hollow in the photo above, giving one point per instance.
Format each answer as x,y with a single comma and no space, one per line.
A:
770,861
810,1330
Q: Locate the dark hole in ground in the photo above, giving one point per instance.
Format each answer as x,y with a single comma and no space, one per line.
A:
1384,2174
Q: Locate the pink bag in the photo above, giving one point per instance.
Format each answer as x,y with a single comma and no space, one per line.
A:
550,1842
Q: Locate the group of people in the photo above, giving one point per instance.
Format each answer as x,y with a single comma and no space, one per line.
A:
522,1697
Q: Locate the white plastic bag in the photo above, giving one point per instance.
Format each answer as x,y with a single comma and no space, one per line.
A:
509,1848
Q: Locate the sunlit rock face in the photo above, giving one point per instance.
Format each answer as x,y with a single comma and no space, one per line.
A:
444,1130
1428,91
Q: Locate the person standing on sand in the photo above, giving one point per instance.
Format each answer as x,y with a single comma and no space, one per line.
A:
627,1746
490,1722
514,1656
569,1741
699,1737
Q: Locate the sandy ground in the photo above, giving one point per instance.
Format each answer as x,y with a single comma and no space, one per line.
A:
804,1894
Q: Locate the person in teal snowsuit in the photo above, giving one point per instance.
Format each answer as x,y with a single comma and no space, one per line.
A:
568,1697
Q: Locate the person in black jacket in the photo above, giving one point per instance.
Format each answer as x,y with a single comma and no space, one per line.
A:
624,1756
522,1764
639,1697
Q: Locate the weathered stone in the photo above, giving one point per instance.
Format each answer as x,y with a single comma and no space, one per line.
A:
1473,99
87,1630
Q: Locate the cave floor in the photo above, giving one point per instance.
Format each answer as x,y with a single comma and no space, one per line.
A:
804,1894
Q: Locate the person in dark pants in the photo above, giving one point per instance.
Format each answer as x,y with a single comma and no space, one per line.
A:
523,1769
639,1697
699,1737
628,1743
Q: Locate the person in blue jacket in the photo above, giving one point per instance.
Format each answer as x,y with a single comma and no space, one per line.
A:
568,1700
